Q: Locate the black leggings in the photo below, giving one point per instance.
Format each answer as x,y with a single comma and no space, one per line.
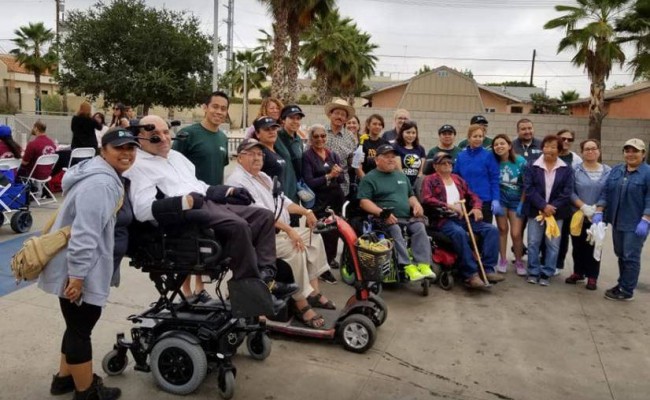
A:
79,324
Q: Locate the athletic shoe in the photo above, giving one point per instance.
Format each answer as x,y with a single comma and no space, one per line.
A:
203,296
328,277
617,294
574,278
544,282
557,272
334,264
413,273
61,385
532,279
502,266
591,284
425,270
521,268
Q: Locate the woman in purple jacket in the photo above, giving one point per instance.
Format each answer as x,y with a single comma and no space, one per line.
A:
322,172
548,184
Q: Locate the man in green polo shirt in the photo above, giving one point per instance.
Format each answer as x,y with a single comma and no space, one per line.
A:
206,146
384,188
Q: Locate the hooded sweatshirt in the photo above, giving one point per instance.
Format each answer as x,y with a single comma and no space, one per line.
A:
92,191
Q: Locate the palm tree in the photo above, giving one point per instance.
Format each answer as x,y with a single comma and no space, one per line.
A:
301,16
597,45
32,41
569,95
637,25
279,10
256,73
339,55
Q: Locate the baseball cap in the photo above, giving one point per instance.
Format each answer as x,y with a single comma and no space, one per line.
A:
385,148
5,131
478,119
441,156
290,110
118,137
265,122
248,144
447,128
636,143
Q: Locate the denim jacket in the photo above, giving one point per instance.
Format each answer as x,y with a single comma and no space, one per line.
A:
628,193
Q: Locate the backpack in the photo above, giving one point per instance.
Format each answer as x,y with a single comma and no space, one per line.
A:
37,251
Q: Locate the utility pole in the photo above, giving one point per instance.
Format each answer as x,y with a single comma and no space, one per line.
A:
532,68
231,22
245,108
60,10
215,48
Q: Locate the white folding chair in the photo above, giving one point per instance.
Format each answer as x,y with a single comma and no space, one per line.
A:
81,153
9,163
44,160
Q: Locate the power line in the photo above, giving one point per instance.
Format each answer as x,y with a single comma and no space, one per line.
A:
473,3
469,58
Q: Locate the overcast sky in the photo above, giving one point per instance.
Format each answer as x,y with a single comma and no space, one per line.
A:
483,36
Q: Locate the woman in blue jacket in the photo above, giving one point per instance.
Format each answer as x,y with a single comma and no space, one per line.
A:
626,204
548,185
480,170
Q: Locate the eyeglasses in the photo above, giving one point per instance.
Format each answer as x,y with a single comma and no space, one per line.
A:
568,139
590,149
253,154
319,136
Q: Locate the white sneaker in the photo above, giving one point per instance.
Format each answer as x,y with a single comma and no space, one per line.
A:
557,272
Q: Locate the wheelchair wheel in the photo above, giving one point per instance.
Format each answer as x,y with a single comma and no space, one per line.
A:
348,275
178,366
425,287
376,288
113,363
258,345
358,333
446,280
21,221
226,387
380,310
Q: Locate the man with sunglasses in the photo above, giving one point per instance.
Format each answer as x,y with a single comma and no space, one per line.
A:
248,233
569,157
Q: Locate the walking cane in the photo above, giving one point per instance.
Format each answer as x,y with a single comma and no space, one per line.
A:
473,238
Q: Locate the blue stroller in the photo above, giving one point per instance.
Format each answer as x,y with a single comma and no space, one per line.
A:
14,199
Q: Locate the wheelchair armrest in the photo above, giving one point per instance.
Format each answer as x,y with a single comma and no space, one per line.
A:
215,248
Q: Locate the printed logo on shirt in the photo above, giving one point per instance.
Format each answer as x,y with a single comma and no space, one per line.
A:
412,161
49,150
401,182
223,149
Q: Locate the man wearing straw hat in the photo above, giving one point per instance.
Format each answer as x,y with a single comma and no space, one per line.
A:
339,140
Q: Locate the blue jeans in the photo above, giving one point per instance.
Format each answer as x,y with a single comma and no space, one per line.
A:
420,244
456,230
627,247
537,235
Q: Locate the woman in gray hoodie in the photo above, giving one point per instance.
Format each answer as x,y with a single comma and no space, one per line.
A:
81,274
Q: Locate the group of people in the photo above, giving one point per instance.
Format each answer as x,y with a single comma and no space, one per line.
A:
150,176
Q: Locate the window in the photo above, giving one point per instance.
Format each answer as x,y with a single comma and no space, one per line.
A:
442,74
490,110
44,92
516,110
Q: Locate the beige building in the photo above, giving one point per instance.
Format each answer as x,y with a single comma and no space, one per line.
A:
631,101
18,86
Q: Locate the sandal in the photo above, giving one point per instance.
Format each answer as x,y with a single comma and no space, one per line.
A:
316,322
315,302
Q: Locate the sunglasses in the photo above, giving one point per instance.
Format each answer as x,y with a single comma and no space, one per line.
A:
566,139
319,136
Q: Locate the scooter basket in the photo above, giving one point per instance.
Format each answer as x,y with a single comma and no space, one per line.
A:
373,261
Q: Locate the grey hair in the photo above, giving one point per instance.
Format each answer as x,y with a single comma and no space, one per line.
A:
313,128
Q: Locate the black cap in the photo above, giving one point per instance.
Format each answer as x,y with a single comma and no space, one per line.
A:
118,137
248,144
385,148
447,128
290,110
265,122
478,119
441,156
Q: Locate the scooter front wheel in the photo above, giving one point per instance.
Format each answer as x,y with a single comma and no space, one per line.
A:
358,333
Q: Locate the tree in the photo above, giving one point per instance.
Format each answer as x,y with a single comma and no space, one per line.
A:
542,104
137,55
279,11
636,23
35,54
569,95
597,47
256,74
339,54
423,69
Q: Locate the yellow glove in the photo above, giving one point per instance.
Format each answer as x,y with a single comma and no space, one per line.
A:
576,223
552,230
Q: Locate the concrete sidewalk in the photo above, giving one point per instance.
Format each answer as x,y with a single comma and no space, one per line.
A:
516,341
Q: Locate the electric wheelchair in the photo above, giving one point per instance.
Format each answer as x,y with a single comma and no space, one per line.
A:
179,341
